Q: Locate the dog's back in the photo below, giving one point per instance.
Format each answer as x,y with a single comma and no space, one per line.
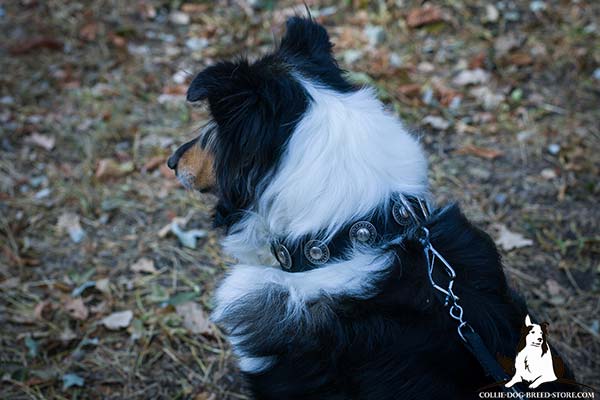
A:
400,343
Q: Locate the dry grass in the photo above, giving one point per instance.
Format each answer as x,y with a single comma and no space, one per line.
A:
101,85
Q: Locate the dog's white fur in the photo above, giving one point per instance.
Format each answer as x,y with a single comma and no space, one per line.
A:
346,156
531,364
351,278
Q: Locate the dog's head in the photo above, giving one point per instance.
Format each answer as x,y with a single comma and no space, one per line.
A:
255,108
534,335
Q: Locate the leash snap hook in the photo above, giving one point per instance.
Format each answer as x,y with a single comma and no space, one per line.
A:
422,235
464,325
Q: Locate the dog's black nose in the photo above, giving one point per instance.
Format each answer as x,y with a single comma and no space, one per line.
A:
172,161
540,339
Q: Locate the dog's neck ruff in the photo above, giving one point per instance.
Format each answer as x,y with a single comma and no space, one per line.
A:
310,252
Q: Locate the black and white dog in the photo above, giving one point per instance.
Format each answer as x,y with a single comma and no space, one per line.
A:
321,191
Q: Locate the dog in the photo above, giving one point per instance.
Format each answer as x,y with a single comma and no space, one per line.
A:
534,358
323,196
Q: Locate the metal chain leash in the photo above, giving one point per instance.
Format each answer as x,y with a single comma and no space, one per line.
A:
451,299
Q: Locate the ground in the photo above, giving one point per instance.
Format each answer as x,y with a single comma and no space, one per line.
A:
503,95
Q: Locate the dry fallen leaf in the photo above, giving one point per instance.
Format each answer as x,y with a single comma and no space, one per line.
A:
436,122
180,221
109,168
144,264
488,154
510,240
554,288
100,308
175,89
423,16
41,309
117,320
194,317
471,76
154,163
89,31
69,222
548,173
205,396
10,283
67,335
520,59
43,141
29,45
77,309
192,8
410,89
103,285
187,238
117,40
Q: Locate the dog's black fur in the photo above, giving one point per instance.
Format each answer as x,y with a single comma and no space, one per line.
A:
398,344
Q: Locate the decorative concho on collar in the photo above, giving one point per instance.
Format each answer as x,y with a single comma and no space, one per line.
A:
309,252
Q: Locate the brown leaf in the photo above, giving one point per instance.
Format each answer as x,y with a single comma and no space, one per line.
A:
205,396
444,93
154,163
482,152
520,59
147,11
35,44
478,61
194,317
175,89
410,89
77,309
423,16
89,31
41,309
144,264
117,40
109,168
166,172
192,8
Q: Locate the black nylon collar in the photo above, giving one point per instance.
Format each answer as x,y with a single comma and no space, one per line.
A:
309,252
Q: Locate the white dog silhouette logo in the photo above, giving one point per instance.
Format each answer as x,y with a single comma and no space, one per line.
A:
534,360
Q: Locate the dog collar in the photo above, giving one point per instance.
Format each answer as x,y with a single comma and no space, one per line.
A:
309,252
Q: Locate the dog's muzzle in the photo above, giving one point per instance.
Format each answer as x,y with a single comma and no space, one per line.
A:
175,157
193,166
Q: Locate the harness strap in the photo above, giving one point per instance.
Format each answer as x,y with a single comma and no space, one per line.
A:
475,345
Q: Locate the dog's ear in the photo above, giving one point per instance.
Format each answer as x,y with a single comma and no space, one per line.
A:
216,77
528,321
544,326
306,38
198,89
